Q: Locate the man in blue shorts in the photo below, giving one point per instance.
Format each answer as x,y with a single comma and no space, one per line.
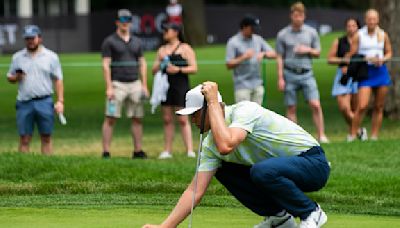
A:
35,69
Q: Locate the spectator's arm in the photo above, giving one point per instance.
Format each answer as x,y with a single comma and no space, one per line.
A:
192,63
353,47
332,58
59,105
157,62
143,74
107,77
388,49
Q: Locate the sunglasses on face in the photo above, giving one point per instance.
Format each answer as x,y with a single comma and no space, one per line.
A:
125,19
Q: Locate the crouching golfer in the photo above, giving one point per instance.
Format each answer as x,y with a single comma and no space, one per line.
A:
265,160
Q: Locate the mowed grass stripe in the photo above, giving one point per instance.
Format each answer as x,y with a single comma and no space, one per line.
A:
204,217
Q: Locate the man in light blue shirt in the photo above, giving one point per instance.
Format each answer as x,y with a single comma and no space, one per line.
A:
265,160
244,53
35,69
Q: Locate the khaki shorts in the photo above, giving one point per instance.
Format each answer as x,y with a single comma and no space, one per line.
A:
126,94
255,95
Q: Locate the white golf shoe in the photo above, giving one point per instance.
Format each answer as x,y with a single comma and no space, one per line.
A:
165,155
191,154
284,221
316,219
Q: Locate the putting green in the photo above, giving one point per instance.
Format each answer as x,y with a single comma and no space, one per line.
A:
136,217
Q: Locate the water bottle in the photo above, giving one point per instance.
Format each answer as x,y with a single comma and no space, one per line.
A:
111,107
164,63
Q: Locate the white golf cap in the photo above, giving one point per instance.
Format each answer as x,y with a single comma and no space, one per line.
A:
194,101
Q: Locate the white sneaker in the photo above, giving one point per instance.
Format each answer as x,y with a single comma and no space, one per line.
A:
191,154
323,139
284,221
165,155
350,138
362,134
316,219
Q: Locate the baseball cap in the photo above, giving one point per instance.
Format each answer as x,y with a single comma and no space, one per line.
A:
31,31
194,101
124,15
249,20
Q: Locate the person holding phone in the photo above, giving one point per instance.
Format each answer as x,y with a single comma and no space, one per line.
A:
35,69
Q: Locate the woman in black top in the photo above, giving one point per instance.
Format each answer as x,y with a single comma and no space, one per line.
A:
177,59
345,91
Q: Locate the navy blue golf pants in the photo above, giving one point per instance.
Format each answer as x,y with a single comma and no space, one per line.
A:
277,184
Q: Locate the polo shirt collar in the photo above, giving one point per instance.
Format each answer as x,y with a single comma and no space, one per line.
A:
39,52
244,38
300,30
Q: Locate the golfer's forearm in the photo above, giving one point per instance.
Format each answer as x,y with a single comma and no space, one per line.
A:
181,210
221,134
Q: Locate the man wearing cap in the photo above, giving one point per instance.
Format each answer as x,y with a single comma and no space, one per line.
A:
296,45
35,69
244,52
125,75
265,161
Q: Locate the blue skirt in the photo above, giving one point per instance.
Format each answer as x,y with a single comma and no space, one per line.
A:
377,77
339,89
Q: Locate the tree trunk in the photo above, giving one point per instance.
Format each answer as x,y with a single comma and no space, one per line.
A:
194,22
389,19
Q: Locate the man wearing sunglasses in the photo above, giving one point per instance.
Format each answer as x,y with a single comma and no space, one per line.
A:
35,69
125,75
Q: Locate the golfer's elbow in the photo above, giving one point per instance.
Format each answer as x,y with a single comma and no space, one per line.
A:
224,149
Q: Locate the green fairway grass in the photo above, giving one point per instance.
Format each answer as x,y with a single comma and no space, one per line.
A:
76,188
136,217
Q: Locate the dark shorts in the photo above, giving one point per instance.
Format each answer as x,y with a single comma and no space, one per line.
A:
39,111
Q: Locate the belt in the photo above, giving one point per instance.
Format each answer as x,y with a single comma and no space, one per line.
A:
40,97
297,70
313,151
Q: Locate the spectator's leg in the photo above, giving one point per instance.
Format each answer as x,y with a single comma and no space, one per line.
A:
287,178
108,127
377,113
242,95
169,127
186,131
47,145
363,99
236,178
291,113
24,141
258,95
137,134
344,104
318,117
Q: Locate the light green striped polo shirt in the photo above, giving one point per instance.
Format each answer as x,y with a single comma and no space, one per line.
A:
269,135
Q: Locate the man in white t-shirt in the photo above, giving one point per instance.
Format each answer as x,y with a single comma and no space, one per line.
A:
265,160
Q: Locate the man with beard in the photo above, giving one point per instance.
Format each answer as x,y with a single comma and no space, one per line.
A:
35,69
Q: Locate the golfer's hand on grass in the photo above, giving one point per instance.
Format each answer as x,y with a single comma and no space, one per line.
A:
151,226
210,92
